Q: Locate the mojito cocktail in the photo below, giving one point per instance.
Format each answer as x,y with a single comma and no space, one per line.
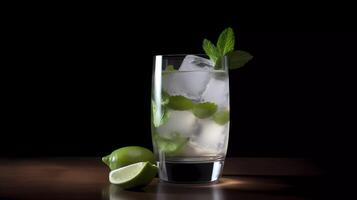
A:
190,117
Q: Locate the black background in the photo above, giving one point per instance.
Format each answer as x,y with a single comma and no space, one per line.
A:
79,79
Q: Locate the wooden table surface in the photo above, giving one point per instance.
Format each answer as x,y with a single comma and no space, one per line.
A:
87,178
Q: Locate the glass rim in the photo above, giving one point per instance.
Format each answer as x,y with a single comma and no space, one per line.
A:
181,54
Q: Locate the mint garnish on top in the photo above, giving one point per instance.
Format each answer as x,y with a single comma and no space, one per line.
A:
225,47
226,40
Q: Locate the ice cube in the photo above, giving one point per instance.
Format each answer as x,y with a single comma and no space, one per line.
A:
181,122
190,85
191,79
195,63
217,90
212,137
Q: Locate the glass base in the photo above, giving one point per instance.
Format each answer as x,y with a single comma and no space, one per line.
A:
190,172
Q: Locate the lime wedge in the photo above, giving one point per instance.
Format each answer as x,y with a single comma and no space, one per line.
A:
204,110
132,176
180,103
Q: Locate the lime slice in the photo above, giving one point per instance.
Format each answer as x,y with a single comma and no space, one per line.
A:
221,117
180,103
135,175
128,155
204,110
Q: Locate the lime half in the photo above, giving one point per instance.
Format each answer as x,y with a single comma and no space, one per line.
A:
127,156
132,176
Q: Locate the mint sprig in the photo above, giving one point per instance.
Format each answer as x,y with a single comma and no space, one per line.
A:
236,59
211,50
226,40
225,47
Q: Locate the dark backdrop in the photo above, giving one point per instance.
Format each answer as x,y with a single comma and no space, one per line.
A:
79,81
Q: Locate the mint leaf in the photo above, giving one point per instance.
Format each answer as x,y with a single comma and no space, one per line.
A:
165,116
204,110
225,47
238,59
211,50
159,117
225,43
170,68
171,146
180,103
165,97
221,117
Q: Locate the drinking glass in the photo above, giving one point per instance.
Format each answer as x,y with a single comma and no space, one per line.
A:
190,117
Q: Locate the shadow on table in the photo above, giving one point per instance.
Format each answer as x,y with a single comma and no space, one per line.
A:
228,188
